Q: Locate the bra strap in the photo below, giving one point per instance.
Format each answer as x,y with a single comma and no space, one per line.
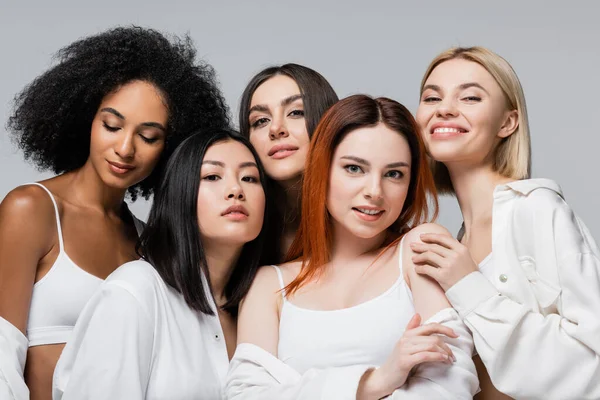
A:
280,276
58,226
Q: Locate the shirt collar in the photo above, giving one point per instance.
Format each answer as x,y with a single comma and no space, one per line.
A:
526,186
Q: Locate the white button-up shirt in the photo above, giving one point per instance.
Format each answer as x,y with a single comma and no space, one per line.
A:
535,314
138,339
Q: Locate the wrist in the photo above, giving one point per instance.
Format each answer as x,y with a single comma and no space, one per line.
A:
371,385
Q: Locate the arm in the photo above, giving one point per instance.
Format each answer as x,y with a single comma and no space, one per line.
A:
27,234
529,354
109,355
457,380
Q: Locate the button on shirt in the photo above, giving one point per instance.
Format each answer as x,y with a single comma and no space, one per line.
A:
534,309
138,339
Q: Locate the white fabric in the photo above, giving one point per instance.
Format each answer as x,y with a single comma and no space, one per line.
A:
323,354
328,339
138,339
13,351
255,374
535,316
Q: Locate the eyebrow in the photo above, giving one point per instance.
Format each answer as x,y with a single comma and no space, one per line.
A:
461,87
247,164
121,116
365,162
284,103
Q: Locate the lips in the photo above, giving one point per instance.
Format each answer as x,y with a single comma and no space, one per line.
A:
368,213
235,210
447,129
282,150
120,168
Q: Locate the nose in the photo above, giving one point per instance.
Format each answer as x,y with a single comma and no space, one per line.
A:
447,108
124,146
372,190
278,129
235,192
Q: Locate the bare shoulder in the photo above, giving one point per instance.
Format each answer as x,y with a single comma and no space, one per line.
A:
28,208
413,234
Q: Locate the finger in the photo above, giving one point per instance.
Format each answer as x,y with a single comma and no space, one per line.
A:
414,322
424,269
429,343
430,258
419,247
428,356
443,240
431,329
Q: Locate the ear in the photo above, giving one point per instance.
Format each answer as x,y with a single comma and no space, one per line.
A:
510,125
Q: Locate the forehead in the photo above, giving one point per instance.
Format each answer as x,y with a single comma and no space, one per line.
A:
275,89
137,98
376,144
455,72
230,152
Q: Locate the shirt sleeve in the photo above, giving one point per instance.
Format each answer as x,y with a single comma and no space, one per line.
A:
529,354
256,374
109,354
13,352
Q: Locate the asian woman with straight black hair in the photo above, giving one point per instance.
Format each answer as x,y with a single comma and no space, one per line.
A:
164,327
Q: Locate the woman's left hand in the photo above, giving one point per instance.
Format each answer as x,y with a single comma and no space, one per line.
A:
443,258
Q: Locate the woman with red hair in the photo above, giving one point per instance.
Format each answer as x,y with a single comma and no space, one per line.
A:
328,324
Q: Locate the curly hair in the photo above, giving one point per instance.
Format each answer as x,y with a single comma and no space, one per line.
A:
53,115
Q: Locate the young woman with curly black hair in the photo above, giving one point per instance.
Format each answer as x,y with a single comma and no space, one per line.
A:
105,118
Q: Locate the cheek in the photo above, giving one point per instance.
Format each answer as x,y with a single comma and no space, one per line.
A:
297,128
397,196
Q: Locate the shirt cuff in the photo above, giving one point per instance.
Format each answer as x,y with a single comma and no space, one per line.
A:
342,383
470,292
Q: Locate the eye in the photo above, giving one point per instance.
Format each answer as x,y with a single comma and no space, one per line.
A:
250,179
149,140
110,128
213,177
296,113
394,174
353,169
259,122
431,99
472,98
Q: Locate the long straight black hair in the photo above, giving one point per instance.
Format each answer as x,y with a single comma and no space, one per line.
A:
171,241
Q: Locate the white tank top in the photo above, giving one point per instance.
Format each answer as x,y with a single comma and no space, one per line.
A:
59,297
363,334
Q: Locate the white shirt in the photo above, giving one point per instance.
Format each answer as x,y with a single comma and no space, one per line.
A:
535,316
138,339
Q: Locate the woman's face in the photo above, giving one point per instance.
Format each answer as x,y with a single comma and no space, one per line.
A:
369,180
278,129
463,113
231,199
128,134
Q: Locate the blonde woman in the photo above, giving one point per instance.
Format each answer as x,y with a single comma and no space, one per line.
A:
524,273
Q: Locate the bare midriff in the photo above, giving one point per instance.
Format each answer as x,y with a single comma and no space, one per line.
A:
41,361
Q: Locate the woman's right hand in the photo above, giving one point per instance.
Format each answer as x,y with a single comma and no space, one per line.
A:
418,345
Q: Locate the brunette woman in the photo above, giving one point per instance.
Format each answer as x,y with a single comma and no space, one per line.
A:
279,111
105,118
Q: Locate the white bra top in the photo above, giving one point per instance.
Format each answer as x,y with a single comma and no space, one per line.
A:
59,297
364,334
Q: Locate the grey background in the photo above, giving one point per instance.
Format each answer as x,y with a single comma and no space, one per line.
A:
377,47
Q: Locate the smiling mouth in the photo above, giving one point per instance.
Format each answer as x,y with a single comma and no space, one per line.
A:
367,211
446,131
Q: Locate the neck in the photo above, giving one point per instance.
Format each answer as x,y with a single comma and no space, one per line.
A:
474,187
346,246
221,259
88,190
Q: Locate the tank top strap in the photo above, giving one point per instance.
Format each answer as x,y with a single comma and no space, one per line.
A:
400,252
58,226
280,277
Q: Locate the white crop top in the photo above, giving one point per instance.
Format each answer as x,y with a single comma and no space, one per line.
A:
364,334
59,297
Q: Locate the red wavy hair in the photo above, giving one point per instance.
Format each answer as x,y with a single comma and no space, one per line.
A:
312,243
